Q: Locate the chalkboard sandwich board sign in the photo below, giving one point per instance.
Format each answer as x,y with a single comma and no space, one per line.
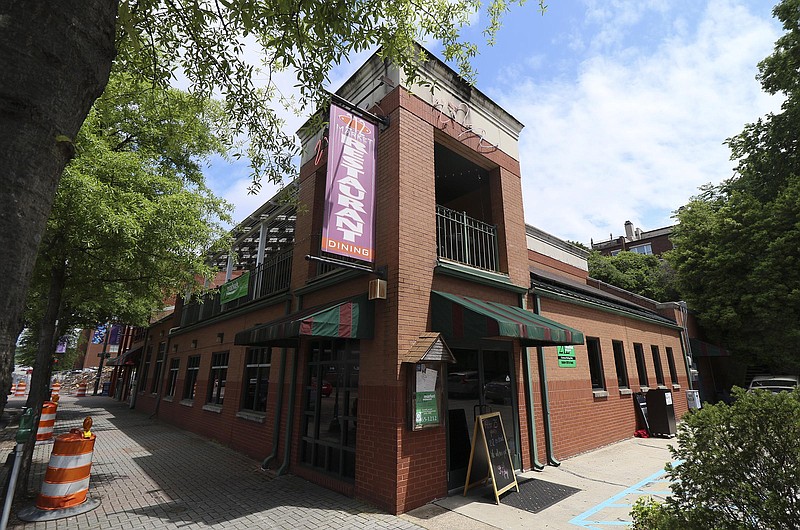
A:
490,457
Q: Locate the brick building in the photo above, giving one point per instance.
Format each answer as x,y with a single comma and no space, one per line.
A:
653,242
366,377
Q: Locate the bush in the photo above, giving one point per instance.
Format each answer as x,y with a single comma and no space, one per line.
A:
739,467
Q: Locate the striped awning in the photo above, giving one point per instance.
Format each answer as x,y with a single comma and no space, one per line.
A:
460,317
347,319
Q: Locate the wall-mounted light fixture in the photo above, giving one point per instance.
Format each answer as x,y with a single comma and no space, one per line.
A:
194,344
220,336
174,348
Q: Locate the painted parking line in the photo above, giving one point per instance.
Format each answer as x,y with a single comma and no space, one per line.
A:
588,518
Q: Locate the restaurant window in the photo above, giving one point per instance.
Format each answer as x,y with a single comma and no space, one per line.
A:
673,373
330,407
162,351
190,384
256,379
217,377
641,367
657,365
146,368
620,364
595,364
172,378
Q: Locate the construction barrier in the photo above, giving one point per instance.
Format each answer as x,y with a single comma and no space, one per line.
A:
46,422
81,390
13,389
55,390
66,482
22,387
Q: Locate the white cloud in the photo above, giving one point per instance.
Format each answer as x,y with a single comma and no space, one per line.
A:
641,124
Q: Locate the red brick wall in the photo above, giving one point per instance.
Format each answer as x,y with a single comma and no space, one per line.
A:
579,421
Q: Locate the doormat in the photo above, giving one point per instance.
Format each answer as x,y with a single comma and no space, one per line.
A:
535,495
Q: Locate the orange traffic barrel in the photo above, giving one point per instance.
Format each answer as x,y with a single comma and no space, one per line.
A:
55,389
13,389
22,386
66,481
46,421
81,390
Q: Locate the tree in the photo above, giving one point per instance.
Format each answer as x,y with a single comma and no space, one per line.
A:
130,223
645,275
56,59
738,467
736,243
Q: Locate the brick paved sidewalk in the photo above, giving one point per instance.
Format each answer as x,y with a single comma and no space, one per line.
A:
150,475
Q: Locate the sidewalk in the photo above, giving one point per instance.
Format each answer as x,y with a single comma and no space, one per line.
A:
151,475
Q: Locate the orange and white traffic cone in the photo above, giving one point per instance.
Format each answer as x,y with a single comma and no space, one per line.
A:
22,388
81,390
13,389
55,389
46,422
66,482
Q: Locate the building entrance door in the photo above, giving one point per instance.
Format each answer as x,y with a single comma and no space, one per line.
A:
481,381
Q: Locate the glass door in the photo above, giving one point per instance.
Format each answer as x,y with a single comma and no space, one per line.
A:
481,381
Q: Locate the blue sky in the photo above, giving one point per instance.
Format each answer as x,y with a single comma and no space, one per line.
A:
626,105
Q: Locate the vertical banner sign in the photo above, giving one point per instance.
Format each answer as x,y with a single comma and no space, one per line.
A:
99,334
348,225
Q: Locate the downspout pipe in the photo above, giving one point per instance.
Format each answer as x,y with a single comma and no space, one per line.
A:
538,466
287,440
278,409
687,347
548,434
535,464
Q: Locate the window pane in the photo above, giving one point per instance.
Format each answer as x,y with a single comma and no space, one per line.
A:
641,367
657,364
595,363
673,373
620,364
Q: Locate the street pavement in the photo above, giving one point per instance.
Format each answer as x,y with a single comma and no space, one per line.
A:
147,474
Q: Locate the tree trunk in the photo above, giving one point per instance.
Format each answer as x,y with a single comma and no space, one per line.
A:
55,59
40,379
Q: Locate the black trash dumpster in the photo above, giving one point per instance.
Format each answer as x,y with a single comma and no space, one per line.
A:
660,412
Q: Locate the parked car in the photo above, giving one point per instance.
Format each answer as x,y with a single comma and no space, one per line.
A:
498,390
462,384
774,383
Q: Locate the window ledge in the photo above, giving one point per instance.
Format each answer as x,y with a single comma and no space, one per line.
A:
187,402
257,417
599,394
212,408
168,398
676,387
644,388
625,391
662,387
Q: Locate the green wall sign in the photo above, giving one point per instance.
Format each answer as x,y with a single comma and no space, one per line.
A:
234,289
566,357
427,409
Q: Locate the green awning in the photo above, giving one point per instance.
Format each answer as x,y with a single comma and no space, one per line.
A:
460,317
347,319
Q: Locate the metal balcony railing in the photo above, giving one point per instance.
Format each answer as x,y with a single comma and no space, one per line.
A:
267,279
462,239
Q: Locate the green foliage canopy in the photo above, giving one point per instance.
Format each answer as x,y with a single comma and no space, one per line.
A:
132,216
736,244
645,275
